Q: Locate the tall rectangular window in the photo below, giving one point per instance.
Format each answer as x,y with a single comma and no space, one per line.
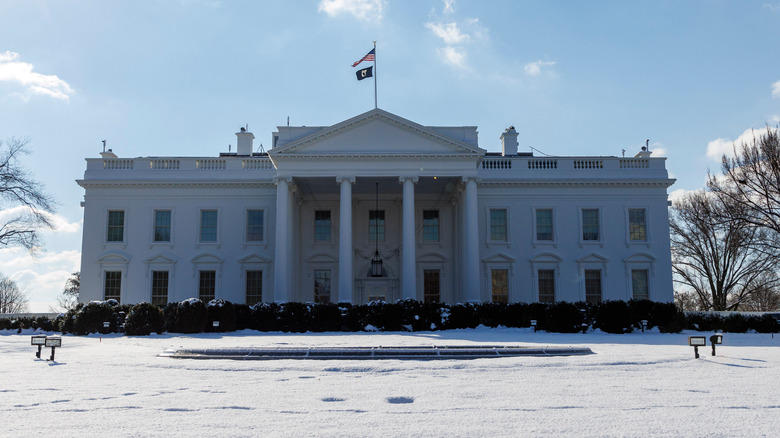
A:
208,225
112,288
593,286
322,226
498,225
590,224
116,226
254,225
637,227
160,288
499,279
546,278
544,224
640,287
431,285
254,287
207,285
321,286
430,225
376,225
162,225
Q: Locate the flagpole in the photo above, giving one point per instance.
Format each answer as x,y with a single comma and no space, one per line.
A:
375,104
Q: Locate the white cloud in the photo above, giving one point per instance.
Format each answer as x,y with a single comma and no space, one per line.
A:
449,6
773,8
366,10
776,90
449,32
535,68
60,223
21,73
723,146
659,152
42,277
453,56
678,194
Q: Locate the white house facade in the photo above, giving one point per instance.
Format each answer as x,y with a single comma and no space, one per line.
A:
376,207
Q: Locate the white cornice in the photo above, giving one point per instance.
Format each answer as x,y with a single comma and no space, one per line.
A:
173,184
379,156
627,182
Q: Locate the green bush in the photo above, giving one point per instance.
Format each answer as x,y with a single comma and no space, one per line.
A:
295,317
265,317
564,317
243,316
387,317
460,316
353,317
736,323
326,317
169,314
191,316
90,318
765,324
222,311
143,319
612,317
667,317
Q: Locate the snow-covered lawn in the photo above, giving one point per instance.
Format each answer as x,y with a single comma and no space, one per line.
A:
635,385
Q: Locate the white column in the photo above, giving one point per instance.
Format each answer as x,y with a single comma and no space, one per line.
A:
471,242
281,249
409,259
346,278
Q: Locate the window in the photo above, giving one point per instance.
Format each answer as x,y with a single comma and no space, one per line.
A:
116,226
254,226
431,285
321,286
430,225
500,285
208,225
637,226
376,226
112,288
639,284
207,285
322,226
593,286
162,225
160,288
498,225
590,224
254,287
546,278
544,224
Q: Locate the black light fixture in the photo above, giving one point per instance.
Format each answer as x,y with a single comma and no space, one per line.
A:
376,261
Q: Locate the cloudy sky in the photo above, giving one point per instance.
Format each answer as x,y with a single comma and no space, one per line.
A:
179,77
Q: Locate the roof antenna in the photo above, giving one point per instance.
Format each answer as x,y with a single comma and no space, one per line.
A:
104,145
247,127
288,120
229,146
647,144
624,153
261,149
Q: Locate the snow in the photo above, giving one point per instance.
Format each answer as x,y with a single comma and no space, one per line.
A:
635,385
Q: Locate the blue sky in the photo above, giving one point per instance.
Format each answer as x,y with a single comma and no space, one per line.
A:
179,77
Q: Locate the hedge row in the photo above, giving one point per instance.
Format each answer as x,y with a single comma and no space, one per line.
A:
193,316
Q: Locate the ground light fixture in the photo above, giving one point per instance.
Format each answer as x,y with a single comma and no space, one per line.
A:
215,324
53,342
644,325
533,324
696,342
40,341
716,339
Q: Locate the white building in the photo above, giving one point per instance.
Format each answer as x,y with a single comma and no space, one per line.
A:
449,221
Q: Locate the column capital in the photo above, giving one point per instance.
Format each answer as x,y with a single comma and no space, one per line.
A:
349,179
278,179
466,179
403,179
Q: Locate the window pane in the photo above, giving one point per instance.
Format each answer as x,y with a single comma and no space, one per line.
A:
430,225
116,226
321,286
544,225
546,285
254,225
637,227
113,285
639,284
322,226
254,287
498,225
376,225
208,225
160,288
593,286
590,224
431,286
162,225
207,285
500,285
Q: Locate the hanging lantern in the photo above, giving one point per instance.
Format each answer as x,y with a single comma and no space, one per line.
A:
376,265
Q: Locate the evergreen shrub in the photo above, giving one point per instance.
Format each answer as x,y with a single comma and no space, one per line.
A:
564,317
222,311
265,317
295,317
191,316
143,319
462,315
90,318
326,317
243,316
612,317
736,323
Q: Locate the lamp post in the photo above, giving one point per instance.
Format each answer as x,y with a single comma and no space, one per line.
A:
39,341
715,339
696,342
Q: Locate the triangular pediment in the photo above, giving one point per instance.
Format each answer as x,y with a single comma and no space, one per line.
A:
159,259
593,258
498,258
378,132
254,258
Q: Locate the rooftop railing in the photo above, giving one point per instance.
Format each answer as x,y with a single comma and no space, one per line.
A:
573,167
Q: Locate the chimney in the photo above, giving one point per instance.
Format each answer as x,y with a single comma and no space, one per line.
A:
509,141
244,142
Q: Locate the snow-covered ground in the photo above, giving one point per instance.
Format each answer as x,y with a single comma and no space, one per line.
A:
635,385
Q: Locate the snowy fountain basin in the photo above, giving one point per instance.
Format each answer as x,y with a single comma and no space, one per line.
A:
374,353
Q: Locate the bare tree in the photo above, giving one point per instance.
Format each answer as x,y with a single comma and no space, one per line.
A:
750,181
763,298
24,200
70,295
12,299
688,301
714,251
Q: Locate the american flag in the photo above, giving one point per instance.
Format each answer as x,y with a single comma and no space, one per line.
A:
369,57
